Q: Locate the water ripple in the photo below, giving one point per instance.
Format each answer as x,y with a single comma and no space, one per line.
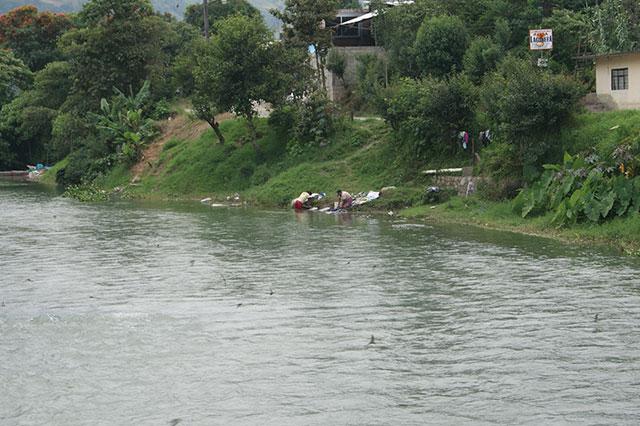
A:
150,314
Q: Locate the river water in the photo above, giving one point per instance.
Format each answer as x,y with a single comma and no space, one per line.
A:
140,314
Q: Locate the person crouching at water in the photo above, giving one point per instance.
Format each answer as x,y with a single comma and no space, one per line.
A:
302,202
345,200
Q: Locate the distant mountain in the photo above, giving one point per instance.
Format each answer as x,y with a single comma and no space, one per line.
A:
175,7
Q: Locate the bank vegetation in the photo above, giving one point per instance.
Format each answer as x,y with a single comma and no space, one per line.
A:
129,101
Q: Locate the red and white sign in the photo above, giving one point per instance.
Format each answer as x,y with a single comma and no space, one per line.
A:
541,39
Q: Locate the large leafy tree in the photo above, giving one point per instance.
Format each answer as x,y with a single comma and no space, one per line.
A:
120,44
395,28
33,36
481,57
14,76
240,67
305,23
440,45
527,107
615,26
570,30
428,112
218,9
26,122
26,127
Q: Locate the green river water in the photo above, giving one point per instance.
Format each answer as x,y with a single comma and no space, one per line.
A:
131,313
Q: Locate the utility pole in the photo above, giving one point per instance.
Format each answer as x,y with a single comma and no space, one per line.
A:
205,12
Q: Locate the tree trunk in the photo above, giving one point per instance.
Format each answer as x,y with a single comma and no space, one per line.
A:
205,12
216,128
318,66
323,77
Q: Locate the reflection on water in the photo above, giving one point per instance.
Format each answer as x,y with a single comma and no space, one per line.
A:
139,313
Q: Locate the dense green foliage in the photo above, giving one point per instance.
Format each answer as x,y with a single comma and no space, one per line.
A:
527,107
240,68
33,36
86,88
128,128
482,57
218,10
120,44
14,76
427,114
440,45
305,24
586,188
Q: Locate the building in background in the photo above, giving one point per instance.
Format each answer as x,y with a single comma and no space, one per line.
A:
618,79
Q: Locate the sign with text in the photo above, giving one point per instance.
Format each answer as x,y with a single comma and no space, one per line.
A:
541,39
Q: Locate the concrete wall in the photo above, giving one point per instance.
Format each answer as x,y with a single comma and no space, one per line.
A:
623,99
335,86
463,185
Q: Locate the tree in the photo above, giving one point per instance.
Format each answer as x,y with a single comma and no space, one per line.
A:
240,67
26,122
27,129
372,79
508,20
428,112
52,85
120,44
440,45
33,36
217,10
336,63
481,57
394,27
612,27
305,24
527,107
570,31
14,76
125,123
206,109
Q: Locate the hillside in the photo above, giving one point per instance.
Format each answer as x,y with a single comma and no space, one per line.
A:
175,7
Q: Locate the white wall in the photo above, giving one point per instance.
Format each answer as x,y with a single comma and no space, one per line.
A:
624,99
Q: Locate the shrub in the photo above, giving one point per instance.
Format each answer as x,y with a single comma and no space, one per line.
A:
126,125
86,193
336,63
69,131
585,189
440,45
481,57
428,113
84,165
161,110
371,72
283,118
527,107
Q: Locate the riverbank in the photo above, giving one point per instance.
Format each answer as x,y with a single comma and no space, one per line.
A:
187,163
621,234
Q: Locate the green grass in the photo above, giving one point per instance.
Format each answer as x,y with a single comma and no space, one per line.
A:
49,178
600,130
361,156
620,233
120,176
356,159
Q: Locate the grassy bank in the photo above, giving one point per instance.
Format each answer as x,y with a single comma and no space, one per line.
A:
188,163
622,233
359,157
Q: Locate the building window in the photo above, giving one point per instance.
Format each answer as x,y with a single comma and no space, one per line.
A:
348,31
620,79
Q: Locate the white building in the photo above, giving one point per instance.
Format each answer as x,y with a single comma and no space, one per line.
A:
618,79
